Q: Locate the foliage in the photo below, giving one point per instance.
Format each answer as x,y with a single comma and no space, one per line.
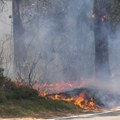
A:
9,90
23,93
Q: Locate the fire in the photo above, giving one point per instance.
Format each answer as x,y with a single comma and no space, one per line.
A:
80,101
56,97
84,103
80,97
47,90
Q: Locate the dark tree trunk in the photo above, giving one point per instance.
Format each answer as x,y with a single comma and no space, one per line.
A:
18,32
101,30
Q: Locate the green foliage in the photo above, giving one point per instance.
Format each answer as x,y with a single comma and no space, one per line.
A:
25,93
1,77
9,90
2,96
39,107
2,80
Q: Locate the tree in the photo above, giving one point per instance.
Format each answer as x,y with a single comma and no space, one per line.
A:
18,36
101,28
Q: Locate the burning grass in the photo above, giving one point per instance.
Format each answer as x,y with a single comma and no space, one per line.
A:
19,100
25,102
82,99
88,99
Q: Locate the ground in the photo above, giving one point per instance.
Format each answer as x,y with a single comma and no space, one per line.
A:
105,115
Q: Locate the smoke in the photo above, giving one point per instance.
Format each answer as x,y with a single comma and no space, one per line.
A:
60,45
114,49
61,33
108,91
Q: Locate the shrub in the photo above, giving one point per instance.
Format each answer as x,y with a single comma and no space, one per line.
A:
9,90
2,96
2,92
25,93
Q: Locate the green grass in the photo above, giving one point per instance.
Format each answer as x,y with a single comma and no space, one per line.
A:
37,108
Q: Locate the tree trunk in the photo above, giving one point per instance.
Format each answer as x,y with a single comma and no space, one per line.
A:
18,32
101,28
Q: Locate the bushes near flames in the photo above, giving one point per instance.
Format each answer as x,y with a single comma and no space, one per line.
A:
9,90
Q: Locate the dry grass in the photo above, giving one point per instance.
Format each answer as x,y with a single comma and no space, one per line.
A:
38,108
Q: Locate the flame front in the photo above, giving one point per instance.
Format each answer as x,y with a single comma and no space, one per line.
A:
84,103
81,101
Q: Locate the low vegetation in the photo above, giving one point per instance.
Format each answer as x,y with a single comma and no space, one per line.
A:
24,101
41,108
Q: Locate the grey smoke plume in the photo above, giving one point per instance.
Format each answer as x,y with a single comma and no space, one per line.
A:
62,35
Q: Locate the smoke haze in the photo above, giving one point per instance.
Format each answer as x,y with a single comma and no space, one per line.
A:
64,39
60,45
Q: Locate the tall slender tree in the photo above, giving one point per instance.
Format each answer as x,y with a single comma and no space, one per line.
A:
101,31
18,33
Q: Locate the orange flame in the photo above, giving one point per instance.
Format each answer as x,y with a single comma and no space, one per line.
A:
47,88
81,101
84,103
